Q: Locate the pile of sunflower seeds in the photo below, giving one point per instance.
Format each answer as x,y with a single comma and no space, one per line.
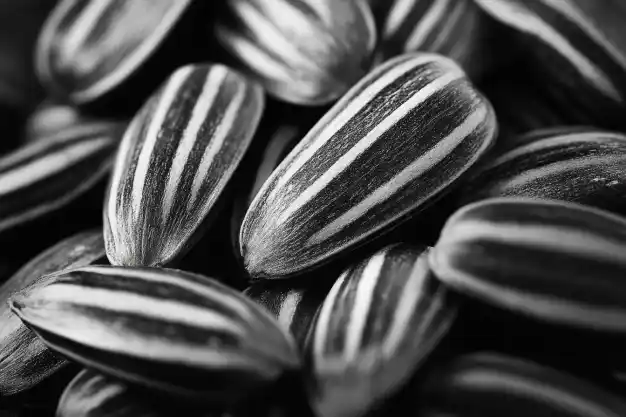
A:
325,208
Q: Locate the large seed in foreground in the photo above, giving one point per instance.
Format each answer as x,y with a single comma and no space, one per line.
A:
582,165
89,48
175,161
396,140
492,385
554,261
171,330
577,55
47,174
24,359
379,322
307,52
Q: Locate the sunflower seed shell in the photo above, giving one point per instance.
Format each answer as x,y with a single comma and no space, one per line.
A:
550,260
166,329
307,52
175,161
379,322
394,142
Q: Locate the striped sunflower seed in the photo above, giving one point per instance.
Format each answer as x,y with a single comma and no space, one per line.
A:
293,307
379,322
24,359
578,164
86,49
91,394
554,261
396,140
175,160
449,27
307,52
576,57
166,329
45,175
492,384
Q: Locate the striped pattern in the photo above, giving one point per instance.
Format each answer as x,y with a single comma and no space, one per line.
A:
553,261
578,164
398,138
307,52
281,141
380,321
87,48
91,394
175,160
491,384
171,330
575,56
293,307
45,175
449,27
24,359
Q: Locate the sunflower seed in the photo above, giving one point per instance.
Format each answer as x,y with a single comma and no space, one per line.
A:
167,329
449,27
579,61
45,175
293,307
307,52
583,165
24,359
91,394
380,321
554,261
491,384
175,160
396,140
88,48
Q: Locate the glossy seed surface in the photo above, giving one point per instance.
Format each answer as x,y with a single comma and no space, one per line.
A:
396,140
24,359
378,324
47,174
577,164
171,330
306,52
493,384
553,261
175,161
87,48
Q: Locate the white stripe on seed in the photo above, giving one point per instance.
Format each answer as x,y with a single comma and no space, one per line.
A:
210,89
222,133
384,192
170,93
40,168
348,158
357,322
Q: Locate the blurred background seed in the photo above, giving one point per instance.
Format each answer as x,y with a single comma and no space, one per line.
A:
306,52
